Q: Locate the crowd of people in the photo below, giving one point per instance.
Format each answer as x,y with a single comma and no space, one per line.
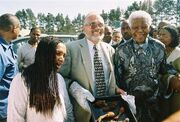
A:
53,82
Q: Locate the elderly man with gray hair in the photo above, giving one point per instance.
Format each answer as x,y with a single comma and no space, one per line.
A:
138,64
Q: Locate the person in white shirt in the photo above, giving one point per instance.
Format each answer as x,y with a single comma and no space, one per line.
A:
27,51
116,37
107,34
39,93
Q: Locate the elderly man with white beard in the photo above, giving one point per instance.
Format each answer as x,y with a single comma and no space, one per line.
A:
80,68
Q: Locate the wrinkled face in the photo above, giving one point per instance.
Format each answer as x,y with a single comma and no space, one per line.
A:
165,37
139,29
60,54
94,28
35,35
125,31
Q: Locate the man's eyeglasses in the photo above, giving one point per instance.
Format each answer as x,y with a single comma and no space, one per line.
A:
94,25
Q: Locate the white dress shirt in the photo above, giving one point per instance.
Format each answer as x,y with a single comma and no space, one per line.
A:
104,61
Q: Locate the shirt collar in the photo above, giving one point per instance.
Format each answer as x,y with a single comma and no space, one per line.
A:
125,40
91,45
5,44
144,46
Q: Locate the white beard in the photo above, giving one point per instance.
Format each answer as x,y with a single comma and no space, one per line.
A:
96,39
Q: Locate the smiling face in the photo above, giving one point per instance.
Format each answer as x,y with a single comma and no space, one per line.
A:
60,54
94,28
125,30
139,30
165,37
35,35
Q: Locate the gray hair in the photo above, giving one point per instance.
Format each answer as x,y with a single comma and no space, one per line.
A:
140,14
90,15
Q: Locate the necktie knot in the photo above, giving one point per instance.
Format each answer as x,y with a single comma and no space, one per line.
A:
94,47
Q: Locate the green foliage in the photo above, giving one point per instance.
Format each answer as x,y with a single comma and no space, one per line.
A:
164,6
135,6
63,25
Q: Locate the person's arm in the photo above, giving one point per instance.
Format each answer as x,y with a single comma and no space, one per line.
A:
170,79
176,84
118,69
2,67
20,59
17,100
68,105
176,64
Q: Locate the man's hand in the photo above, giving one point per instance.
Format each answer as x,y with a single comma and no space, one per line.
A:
175,83
120,91
81,95
173,118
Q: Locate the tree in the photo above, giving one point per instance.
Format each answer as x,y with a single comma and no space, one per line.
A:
41,18
59,22
135,6
23,18
164,8
114,16
69,28
105,16
50,23
78,22
31,18
147,6
178,11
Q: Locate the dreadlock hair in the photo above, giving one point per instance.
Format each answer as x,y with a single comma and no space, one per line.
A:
41,78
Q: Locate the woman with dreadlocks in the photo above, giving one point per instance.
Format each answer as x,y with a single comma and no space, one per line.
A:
39,94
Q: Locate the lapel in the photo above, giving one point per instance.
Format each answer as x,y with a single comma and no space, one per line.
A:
107,56
86,60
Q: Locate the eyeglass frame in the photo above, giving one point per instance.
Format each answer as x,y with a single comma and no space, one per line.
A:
94,25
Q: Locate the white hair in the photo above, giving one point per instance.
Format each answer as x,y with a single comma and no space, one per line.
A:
140,14
93,13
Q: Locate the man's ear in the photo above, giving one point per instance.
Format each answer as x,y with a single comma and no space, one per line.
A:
15,29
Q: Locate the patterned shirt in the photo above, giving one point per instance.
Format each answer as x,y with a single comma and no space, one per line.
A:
140,65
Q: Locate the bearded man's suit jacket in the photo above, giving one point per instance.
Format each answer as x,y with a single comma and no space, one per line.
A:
78,68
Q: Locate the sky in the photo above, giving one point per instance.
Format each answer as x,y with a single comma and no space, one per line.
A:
66,7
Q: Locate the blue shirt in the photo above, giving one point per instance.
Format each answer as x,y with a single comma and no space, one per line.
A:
8,69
